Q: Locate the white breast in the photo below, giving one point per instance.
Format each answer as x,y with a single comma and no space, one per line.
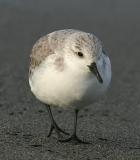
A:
66,89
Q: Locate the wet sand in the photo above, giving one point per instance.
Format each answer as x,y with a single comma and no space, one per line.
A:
112,125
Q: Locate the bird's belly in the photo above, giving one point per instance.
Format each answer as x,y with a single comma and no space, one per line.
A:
57,91
64,90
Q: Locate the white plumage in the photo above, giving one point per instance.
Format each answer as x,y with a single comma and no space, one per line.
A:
73,85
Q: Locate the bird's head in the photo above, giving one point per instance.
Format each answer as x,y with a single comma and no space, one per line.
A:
83,51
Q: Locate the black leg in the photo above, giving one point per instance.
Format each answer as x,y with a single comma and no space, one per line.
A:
54,126
74,136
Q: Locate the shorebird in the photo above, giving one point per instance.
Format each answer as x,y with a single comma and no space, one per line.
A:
68,69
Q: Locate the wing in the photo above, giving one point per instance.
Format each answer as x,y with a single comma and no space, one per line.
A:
40,51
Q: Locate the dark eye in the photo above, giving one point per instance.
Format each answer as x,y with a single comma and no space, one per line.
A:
80,54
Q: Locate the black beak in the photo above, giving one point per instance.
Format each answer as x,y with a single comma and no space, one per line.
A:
94,70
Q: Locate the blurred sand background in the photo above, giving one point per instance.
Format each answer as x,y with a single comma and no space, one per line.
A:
112,125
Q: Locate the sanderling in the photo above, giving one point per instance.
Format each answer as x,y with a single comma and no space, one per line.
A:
69,69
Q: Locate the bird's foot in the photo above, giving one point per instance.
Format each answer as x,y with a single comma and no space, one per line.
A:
58,130
74,139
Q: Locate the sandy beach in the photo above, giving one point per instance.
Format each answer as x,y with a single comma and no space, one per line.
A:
112,124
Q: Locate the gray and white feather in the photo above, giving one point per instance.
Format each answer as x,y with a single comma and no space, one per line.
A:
69,69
